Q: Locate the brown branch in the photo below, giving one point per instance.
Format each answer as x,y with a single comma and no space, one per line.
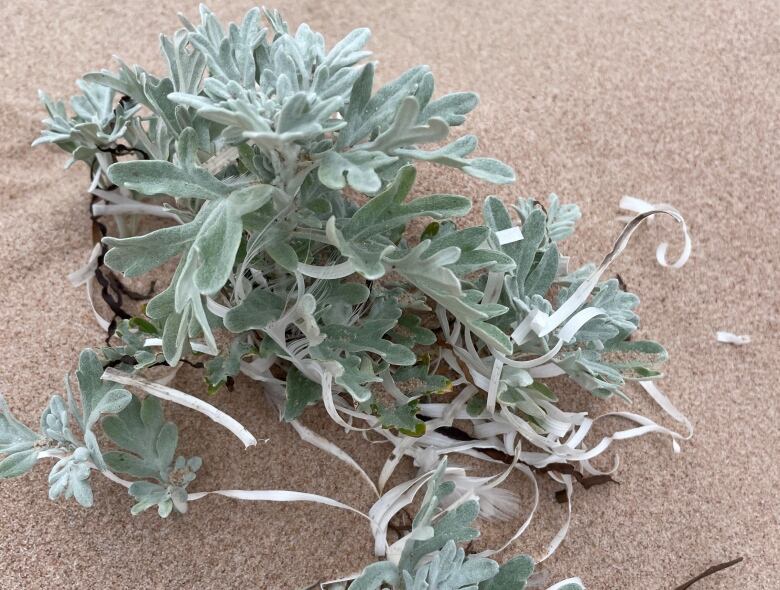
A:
708,572
586,482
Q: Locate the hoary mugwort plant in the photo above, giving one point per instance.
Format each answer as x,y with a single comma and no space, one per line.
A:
284,185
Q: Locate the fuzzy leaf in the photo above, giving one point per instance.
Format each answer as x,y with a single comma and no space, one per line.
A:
184,179
301,392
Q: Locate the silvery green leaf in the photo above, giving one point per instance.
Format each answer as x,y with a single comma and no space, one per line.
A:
174,340
148,494
97,396
184,179
454,154
497,219
453,527
154,139
231,56
186,67
368,336
349,50
585,368
376,576
417,380
224,367
138,255
133,333
635,359
69,478
111,403
473,256
402,417
274,18
300,392
620,319
366,253
260,308
171,491
299,119
369,114
410,332
142,87
512,575
96,121
431,275
533,234
452,108
358,168
283,254
218,231
388,211
404,130
337,299
18,463
561,219
490,170
540,279
148,442
357,373
14,436
231,105
450,570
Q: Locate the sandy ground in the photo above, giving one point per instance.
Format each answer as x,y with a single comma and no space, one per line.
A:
662,100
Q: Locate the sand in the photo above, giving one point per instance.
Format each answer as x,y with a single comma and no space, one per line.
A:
666,101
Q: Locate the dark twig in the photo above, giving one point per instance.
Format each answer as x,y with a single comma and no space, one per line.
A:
540,205
128,292
586,482
112,289
123,150
111,295
708,572
621,283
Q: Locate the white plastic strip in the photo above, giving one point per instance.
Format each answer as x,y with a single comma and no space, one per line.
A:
542,324
250,495
667,406
525,470
509,235
324,444
565,335
183,399
195,346
276,496
392,501
495,379
276,394
217,309
102,322
134,208
731,338
220,160
86,272
640,206
335,271
561,534
566,582
85,276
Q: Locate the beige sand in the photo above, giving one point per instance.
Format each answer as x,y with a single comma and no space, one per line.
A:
593,101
